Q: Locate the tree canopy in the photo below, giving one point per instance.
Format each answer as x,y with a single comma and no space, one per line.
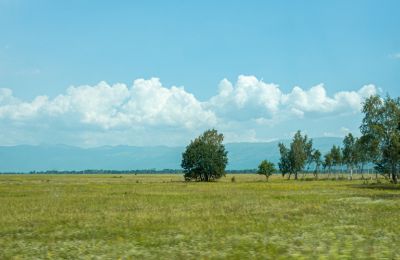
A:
205,158
350,154
316,159
266,168
381,131
293,160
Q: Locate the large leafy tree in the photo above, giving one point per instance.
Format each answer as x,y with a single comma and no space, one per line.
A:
205,157
381,129
293,160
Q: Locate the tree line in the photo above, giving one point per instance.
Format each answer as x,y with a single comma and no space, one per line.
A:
300,156
137,171
379,144
205,158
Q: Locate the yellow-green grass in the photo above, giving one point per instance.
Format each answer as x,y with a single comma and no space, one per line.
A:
160,216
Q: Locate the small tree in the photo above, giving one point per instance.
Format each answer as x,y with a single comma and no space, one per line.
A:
316,158
205,157
328,162
301,148
284,162
350,153
266,168
309,152
336,156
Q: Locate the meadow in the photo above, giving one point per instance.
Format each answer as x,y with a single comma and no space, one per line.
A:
160,216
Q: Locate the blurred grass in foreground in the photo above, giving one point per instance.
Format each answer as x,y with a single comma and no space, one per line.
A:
160,216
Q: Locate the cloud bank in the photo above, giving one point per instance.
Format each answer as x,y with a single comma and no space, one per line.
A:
148,113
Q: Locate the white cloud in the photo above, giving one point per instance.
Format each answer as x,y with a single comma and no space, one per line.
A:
14,109
113,106
248,98
251,98
147,113
316,100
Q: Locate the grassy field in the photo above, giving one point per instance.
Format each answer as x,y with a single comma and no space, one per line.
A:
159,216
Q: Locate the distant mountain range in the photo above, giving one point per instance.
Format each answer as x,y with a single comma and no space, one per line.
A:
25,158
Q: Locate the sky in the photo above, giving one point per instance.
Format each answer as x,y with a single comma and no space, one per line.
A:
93,73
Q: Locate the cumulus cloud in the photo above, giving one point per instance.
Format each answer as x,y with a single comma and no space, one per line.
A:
150,113
147,102
251,98
316,100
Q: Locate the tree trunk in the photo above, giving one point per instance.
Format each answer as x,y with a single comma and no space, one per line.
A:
394,174
362,171
394,177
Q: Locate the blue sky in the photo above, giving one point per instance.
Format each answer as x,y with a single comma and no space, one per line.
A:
48,46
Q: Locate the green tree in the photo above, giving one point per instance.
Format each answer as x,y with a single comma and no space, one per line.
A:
300,148
316,159
350,153
266,168
284,162
336,156
381,128
293,160
309,153
366,152
328,162
205,157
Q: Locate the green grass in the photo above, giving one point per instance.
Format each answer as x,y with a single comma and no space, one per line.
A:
159,216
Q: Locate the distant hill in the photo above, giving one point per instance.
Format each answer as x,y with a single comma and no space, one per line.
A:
25,158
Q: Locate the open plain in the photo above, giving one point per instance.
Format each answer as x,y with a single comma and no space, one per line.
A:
161,216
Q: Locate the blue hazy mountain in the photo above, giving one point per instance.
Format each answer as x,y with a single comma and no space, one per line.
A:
25,158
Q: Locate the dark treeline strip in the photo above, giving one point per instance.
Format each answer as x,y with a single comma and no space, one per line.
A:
101,171
165,171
